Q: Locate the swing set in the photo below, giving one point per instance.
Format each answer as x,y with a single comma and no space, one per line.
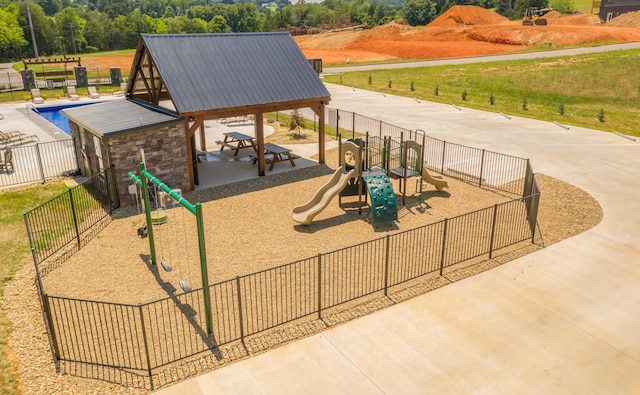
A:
196,210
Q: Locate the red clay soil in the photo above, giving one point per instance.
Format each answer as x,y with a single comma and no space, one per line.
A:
459,32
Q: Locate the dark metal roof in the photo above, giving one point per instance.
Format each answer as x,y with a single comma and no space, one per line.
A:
117,116
217,71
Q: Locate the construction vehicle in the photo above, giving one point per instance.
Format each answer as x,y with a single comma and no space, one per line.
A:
533,16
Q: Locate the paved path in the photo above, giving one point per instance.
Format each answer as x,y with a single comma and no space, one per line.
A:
562,320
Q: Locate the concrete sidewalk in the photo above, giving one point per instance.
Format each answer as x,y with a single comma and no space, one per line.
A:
561,320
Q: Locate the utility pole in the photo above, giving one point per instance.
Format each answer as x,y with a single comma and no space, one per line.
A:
33,34
73,38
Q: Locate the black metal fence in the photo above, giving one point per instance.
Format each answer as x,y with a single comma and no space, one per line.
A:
477,166
71,217
140,339
40,162
133,344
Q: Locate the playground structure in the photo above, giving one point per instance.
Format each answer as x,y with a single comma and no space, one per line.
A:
196,210
370,164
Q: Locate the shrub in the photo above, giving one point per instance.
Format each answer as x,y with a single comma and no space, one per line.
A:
412,87
524,104
436,91
369,79
601,115
389,84
492,99
464,95
561,109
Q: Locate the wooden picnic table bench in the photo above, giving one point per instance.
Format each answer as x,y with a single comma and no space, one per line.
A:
274,153
235,141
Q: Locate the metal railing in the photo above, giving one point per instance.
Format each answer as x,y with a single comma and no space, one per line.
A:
40,162
476,166
144,338
71,217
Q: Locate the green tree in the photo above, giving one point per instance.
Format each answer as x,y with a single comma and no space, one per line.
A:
419,12
45,29
12,39
71,29
563,6
217,25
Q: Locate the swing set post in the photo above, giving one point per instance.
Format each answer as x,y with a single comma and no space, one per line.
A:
142,183
203,269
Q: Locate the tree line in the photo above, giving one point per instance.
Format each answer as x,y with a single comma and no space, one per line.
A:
83,26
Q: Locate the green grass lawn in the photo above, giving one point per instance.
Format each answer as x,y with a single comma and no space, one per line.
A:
598,91
15,252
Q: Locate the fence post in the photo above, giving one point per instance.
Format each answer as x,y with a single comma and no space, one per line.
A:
240,309
319,286
49,318
444,149
444,245
75,218
386,266
353,125
40,165
481,169
493,230
146,346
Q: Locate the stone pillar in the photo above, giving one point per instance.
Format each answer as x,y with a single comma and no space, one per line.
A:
28,80
116,76
82,80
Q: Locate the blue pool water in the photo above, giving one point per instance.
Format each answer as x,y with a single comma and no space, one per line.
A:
54,115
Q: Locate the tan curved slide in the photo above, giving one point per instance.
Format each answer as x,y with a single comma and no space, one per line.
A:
437,181
305,213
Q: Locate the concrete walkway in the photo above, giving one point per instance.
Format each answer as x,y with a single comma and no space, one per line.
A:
562,320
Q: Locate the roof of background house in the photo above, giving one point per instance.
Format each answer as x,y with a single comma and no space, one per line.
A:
217,71
118,116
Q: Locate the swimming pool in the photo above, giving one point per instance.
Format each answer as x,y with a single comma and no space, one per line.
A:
54,115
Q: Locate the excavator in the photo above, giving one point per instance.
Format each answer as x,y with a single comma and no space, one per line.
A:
533,16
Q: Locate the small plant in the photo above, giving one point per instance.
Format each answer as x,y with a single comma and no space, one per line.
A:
369,79
601,115
561,109
464,95
58,96
296,122
270,120
26,98
436,91
44,96
492,99
525,104
389,83
412,87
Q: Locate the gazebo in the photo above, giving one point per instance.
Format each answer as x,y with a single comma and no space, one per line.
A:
212,76
205,77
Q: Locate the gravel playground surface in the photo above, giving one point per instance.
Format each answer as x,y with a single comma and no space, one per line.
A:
245,223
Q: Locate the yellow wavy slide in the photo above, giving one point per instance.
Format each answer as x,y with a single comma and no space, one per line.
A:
305,213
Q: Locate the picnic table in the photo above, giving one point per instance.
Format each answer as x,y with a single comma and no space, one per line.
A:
235,141
274,153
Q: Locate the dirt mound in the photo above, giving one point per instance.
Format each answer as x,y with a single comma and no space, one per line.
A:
467,15
629,19
575,20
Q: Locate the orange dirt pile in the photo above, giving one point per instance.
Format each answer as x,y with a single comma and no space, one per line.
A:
460,15
93,63
459,32
629,19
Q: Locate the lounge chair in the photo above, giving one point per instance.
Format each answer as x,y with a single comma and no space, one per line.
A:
93,93
8,161
36,97
73,96
123,87
17,138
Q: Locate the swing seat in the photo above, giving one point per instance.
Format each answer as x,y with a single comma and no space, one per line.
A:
159,217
